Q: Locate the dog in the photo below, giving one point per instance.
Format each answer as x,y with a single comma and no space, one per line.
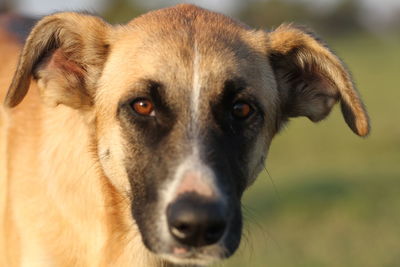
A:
131,145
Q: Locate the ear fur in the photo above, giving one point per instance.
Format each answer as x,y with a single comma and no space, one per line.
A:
65,53
311,79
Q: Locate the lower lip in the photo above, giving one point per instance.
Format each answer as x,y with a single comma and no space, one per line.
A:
180,251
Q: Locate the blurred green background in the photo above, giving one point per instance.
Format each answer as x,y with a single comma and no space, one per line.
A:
328,197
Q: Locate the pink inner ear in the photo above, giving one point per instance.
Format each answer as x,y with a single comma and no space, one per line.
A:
59,60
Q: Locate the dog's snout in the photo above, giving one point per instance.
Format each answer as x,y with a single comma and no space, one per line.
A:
196,221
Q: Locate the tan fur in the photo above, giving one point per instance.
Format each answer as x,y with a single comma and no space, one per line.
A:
61,202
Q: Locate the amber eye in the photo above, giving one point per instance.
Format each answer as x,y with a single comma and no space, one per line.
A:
143,107
241,110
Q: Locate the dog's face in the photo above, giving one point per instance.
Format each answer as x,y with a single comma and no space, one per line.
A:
184,104
189,120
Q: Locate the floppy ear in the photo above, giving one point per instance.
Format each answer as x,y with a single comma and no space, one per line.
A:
65,53
311,79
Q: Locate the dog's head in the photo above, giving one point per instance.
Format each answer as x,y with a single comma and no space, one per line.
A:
184,104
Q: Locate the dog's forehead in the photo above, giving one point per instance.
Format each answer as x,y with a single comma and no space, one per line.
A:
188,48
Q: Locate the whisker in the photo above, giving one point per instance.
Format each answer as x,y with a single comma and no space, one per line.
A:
273,183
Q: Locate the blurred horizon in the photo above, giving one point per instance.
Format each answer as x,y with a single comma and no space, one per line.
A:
375,16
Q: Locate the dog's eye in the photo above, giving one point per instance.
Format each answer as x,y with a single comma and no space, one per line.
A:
143,106
241,110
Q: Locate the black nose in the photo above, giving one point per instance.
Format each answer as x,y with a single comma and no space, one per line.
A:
196,221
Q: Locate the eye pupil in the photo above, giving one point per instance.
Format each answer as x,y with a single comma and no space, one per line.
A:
143,107
241,110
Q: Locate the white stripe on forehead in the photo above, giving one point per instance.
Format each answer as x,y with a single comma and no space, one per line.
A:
196,87
192,162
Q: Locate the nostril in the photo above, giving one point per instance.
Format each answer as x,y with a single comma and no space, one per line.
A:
196,221
181,230
182,227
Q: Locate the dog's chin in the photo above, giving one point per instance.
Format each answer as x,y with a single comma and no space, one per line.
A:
200,261
189,256
194,258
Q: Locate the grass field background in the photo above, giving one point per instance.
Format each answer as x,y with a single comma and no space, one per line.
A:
332,198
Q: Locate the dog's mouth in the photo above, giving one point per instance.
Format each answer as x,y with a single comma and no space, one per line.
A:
196,256
178,253
173,251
